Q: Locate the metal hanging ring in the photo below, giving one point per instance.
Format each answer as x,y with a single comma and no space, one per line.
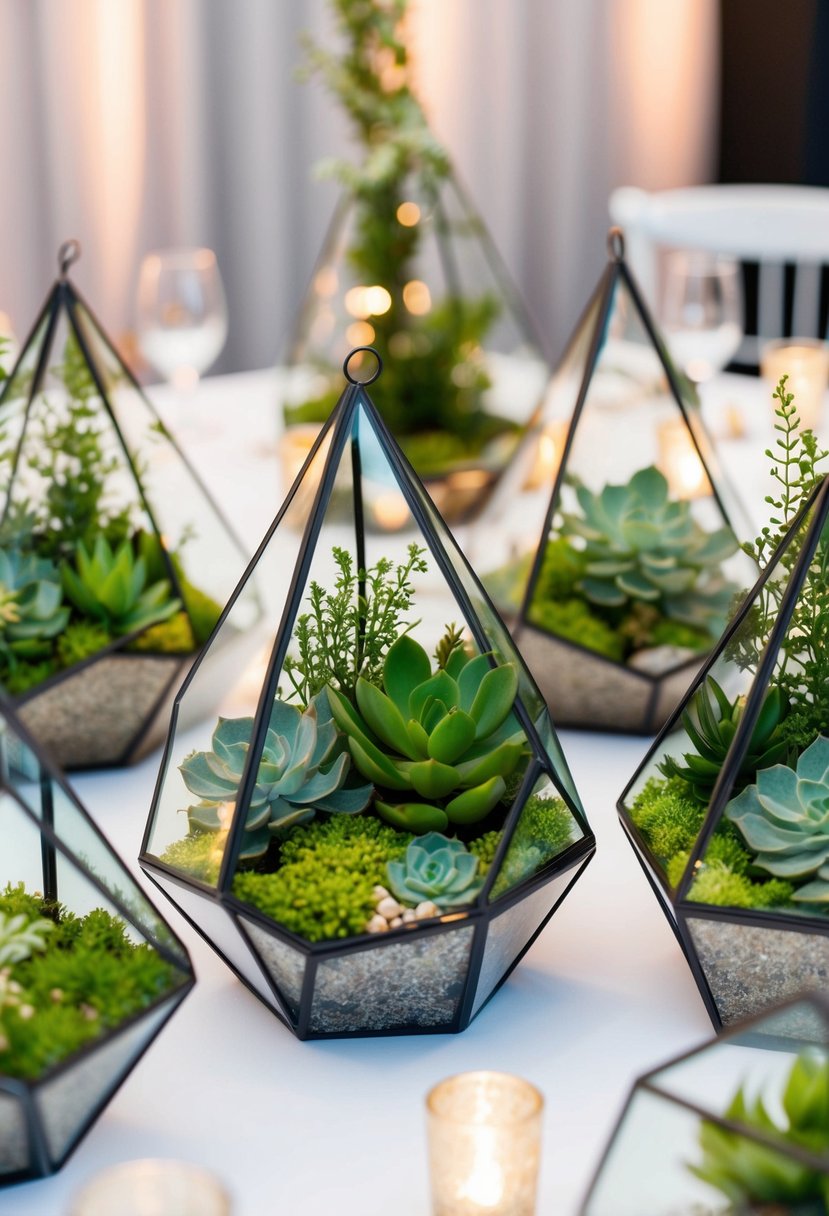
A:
615,244
68,254
357,351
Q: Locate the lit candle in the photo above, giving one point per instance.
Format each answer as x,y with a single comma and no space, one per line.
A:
548,452
390,511
294,445
150,1188
806,363
680,462
484,1133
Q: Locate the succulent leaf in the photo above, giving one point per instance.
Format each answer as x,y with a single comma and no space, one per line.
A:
111,587
438,869
30,604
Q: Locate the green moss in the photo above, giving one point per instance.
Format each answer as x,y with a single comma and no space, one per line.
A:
544,829
572,619
174,636
79,640
88,979
198,854
202,609
562,568
674,633
717,884
667,816
23,676
327,869
485,848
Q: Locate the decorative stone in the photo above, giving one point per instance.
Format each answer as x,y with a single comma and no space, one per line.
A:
656,660
389,908
379,893
396,922
377,924
408,916
426,909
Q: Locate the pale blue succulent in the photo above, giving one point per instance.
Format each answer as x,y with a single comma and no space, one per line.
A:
300,772
438,869
785,821
30,603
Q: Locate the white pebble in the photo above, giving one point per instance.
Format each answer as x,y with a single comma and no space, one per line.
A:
26,1012
396,923
426,909
56,995
408,916
89,1012
377,924
378,893
389,908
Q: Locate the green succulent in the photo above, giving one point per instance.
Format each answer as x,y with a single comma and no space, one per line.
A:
437,869
30,604
449,736
299,774
641,546
752,1175
785,821
111,587
717,719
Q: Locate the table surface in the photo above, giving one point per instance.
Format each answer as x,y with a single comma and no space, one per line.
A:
603,995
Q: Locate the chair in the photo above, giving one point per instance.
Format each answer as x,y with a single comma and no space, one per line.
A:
783,231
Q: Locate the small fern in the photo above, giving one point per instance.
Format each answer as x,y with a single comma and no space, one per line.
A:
20,937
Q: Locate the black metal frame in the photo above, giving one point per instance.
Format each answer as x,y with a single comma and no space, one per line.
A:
616,275
338,432
64,298
743,1033
816,511
41,1160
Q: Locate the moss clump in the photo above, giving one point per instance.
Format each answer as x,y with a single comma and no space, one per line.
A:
544,829
667,816
485,848
202,609
327,869
23,676
573,620
198,854
674,633
79,640
174,636
562,568
717,884
88,978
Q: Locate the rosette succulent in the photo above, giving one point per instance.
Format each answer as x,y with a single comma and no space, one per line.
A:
438,869
111,587
30,604
300,773
448,736
785,821
642,547
712,733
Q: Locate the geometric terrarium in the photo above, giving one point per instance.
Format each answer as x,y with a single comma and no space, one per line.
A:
738,1127
408,267
89,971
611,543
374,838
114,561
728,812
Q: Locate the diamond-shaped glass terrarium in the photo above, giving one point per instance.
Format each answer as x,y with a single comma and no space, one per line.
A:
377,843
610,544
114,561
89,971
738,1127
728,812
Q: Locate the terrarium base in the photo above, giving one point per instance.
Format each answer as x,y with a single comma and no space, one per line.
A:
588,691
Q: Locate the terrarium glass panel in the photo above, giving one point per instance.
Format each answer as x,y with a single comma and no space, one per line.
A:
286,965
398,984
545,827
113,555
14,1136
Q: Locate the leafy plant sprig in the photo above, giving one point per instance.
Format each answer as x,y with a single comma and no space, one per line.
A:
347,633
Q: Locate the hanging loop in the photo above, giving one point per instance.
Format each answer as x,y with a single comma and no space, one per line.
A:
358,350
615,244
68,254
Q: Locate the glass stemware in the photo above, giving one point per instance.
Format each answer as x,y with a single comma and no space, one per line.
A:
702,311
181,313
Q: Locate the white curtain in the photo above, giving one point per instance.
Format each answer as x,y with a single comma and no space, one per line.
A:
135,124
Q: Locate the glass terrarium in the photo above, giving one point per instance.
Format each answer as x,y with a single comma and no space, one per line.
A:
610,545
89,971
738,1127
408,267
728,812
114,561
378,826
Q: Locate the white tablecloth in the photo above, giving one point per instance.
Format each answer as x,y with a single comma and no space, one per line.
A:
317,1127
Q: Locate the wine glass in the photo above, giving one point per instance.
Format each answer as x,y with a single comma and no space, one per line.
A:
181,313
702,311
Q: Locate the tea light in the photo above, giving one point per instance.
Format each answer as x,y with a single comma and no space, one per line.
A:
806,362
680,462
153,1188
548,453
390,511
484,1132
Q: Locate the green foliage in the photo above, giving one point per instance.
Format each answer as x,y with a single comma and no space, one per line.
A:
83,977
21,937
449,736
711,723
79,640
327,870
668,817
485,847
545,828
301,771
23,676
438,869
31,613
716,883
451,642
784,818
198,854
562,569
174,636
803,665
753,1176
640,546
111,587
575,620
348,631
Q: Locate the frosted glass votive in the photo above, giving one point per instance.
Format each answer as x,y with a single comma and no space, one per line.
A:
806,363
153,1187
484,1133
